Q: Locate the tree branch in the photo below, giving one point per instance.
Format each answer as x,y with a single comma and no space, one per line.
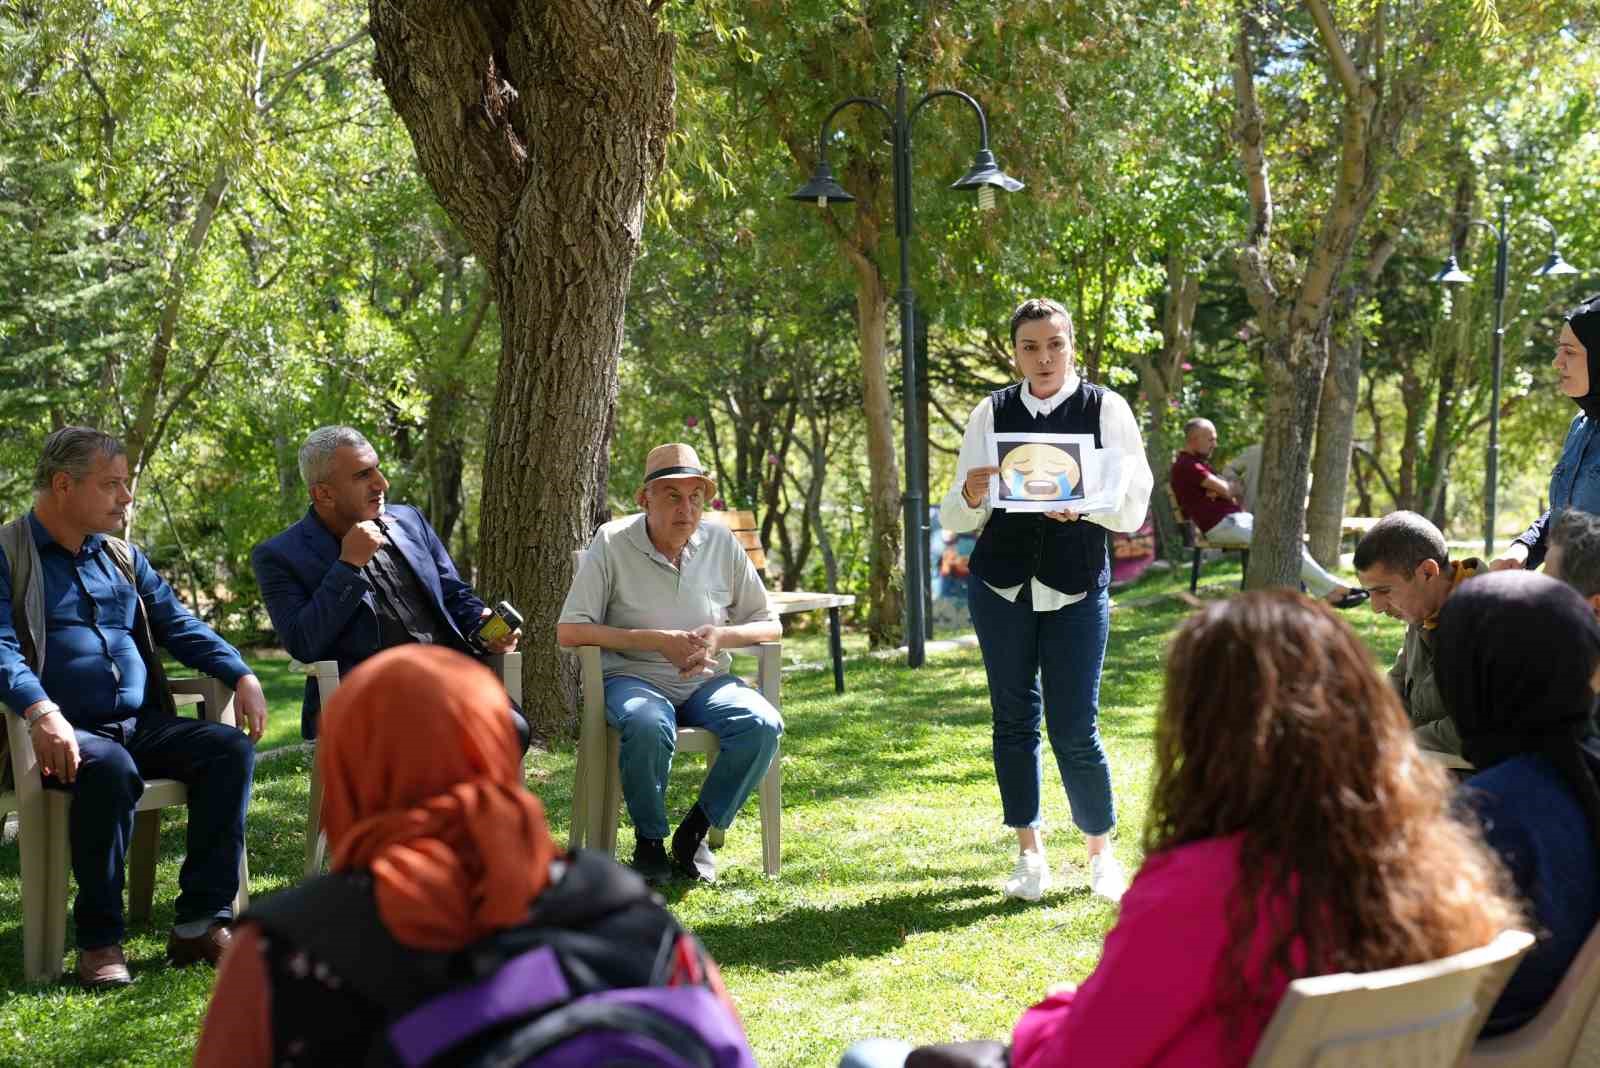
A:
1344,67
287,78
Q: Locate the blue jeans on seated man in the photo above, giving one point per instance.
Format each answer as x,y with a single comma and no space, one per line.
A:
747,729
1237,530
1045,666
214,761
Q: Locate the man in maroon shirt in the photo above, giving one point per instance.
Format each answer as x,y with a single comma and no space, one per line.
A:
1208,500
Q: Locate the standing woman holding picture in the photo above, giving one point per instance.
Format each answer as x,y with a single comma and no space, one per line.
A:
1039,598
1575,483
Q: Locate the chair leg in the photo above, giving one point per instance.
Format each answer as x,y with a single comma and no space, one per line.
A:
59,857
316,844
35,839
142,864
771,801
1194,572
1244,567
717,835
611,805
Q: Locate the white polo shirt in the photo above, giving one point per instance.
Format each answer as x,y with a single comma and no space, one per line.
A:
625,581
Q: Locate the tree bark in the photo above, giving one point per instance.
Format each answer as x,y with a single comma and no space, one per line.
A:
540,127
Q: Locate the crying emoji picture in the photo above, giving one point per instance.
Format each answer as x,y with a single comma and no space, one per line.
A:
1039,472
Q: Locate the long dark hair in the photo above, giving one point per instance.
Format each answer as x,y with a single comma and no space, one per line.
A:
1277,727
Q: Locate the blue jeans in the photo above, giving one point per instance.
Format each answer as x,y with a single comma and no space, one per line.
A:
747,729
876,1053
217,764
1064,649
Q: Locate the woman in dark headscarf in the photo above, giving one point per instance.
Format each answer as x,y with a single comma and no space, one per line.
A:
1518,664
1575,483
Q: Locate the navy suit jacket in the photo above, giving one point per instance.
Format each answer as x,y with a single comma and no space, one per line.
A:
323,609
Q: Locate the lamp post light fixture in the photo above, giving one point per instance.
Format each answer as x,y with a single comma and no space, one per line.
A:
985,176
1452,274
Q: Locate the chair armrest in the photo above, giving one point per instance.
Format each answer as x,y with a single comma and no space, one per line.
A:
509,667
218,707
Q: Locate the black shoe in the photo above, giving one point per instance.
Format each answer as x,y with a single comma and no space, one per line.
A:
650,860
697,864
1351,599
690,853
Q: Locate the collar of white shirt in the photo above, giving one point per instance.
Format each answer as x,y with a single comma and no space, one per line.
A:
1038,406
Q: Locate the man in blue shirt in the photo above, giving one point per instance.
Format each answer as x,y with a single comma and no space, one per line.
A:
98,712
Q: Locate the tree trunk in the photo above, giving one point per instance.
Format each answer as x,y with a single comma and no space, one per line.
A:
1292,369
540,128
1336,431
885,573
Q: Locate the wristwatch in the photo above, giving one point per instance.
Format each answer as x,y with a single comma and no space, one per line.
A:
43,709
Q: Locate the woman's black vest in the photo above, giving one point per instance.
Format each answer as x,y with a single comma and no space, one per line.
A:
1017,546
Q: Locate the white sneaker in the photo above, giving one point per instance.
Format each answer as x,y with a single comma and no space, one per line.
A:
1106,877
1030,878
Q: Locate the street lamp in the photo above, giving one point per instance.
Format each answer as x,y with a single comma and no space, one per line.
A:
1452,274
985,176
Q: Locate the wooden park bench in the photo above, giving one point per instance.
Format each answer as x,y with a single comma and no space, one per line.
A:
788,602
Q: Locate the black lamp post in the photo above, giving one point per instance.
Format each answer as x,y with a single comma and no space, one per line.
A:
985,176
1451,274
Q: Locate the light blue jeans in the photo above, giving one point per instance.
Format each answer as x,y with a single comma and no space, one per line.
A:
876,1053
1240,527
747,729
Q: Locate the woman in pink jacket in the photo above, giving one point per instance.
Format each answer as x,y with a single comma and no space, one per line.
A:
1295,829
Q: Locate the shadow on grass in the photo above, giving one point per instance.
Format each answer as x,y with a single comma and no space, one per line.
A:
805,937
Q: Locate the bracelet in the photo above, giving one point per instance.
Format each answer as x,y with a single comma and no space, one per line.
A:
44,709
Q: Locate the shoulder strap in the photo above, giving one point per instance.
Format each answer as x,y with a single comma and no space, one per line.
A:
121,554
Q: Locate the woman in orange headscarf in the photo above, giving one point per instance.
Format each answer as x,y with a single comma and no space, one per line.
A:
428,819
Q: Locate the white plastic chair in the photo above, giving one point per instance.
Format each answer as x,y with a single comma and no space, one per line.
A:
1567,1029
1417,1016
597,784
507,665
46,855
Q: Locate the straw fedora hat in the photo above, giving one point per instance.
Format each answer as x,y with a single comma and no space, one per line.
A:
677,461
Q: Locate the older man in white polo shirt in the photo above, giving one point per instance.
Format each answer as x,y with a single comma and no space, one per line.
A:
663,595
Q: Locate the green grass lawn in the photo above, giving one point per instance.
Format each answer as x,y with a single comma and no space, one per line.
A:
886,920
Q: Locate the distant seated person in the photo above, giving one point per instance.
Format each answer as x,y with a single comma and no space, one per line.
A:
1574,554
1243,473
444,877
1274,736
664,596
99,712
357,575
1208,501
1404,564
1519,664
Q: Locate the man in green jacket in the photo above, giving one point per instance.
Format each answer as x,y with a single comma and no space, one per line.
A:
1404,564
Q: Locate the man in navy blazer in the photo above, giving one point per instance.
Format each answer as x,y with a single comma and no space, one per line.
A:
355,576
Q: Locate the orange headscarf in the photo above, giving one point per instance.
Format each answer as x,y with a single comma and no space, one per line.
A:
423,788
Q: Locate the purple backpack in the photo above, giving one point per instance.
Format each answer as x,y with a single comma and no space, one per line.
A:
601,975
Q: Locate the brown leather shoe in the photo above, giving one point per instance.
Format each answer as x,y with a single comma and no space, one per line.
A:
103,969
207,947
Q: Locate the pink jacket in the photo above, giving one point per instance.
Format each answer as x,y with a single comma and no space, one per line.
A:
1153,998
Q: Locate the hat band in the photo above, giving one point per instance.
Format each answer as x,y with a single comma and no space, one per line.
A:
672,472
